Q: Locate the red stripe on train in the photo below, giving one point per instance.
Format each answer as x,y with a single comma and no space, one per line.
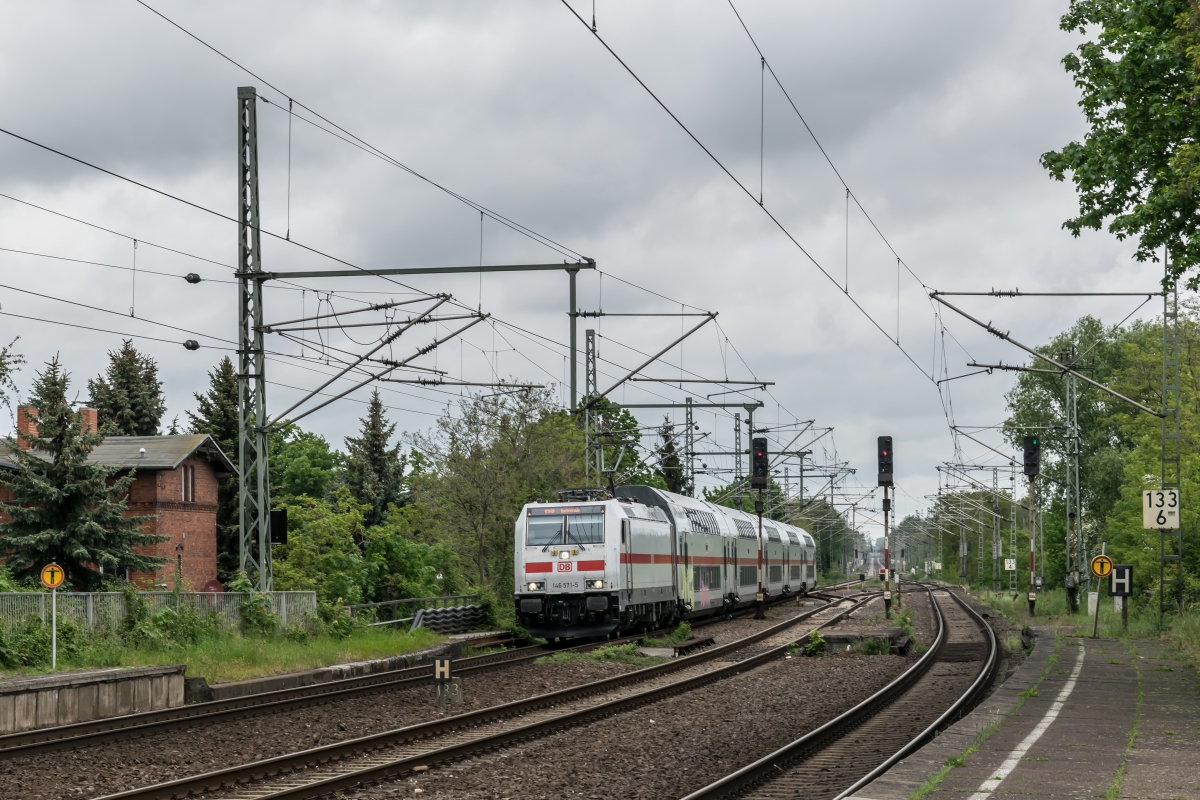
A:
539,566
589,566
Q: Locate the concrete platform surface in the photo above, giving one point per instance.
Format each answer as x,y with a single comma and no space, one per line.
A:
1071,736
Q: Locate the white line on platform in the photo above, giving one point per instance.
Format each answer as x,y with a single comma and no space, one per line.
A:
1014,758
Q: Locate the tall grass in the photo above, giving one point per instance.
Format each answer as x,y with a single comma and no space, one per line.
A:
1183,629
229,656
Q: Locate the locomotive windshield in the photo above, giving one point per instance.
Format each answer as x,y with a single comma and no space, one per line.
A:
585,529
578,526
543,531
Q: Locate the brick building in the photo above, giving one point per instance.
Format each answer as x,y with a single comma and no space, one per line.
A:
175,480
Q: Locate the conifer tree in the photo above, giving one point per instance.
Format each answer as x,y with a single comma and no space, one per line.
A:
217,415
65,510
670,466
128,396
374,471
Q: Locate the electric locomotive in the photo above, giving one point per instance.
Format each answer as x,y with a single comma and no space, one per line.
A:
592,565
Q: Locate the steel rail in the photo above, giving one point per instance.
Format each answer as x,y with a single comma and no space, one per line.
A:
763,770
83,734
758,771
231,777
981,682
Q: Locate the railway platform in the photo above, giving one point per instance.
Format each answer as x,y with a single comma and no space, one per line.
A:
1063,726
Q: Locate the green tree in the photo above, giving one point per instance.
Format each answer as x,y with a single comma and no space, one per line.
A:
301,464
10,363
217,415
322,553
1137,167
669,465
128,396
374,471
618,433
481,465
400,566
65,510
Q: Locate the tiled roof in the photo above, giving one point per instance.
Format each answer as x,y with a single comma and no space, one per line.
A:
161,452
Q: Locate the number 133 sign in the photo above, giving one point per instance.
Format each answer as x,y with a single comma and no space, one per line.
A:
1160,508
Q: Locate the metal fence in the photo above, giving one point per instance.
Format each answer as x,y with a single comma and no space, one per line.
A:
390,612
98,610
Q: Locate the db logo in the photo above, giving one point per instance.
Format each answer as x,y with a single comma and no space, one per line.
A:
564,566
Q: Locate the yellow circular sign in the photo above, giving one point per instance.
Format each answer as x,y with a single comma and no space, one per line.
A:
53,576
1102,566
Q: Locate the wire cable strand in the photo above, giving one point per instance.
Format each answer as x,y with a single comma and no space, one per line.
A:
378,153
118,313
110,230
745,190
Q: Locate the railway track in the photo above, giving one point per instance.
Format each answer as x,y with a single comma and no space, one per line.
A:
829,763
345,765
84,734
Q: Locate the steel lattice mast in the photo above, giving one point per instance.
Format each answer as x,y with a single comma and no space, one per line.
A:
254,494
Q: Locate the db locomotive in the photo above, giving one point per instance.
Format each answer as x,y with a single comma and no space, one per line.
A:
647,558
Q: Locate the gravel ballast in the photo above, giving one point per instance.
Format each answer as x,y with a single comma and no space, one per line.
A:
111,767
669,748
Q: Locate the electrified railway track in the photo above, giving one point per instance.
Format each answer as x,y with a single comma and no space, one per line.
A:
85,734
345,765
828,763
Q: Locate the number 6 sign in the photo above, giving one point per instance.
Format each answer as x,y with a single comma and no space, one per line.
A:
1160,508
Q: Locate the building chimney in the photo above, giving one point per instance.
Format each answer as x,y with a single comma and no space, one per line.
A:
91,420
27,417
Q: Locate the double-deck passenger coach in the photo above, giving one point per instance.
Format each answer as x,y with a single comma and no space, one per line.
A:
645,559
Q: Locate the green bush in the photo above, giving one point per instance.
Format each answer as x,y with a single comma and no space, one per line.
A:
876,646
8,654
256,614
815,645
335,619
136,609
678,636
32,642
296,633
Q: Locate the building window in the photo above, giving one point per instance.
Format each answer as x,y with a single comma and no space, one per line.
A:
188,474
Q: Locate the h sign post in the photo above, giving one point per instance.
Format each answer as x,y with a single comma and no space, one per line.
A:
449,688
1120,584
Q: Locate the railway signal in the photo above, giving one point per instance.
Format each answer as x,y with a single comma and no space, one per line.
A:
1032,459
760,471
760,464
886,456
885,461
1033,455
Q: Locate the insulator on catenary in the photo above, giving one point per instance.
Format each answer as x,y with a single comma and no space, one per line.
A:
192,277
191,344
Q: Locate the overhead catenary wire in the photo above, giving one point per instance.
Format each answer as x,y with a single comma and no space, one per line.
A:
770,215
373,150
118,313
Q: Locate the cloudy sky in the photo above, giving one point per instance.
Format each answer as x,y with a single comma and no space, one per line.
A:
934,114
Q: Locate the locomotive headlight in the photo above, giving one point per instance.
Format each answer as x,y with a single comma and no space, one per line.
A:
595,584
564,554
535,586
